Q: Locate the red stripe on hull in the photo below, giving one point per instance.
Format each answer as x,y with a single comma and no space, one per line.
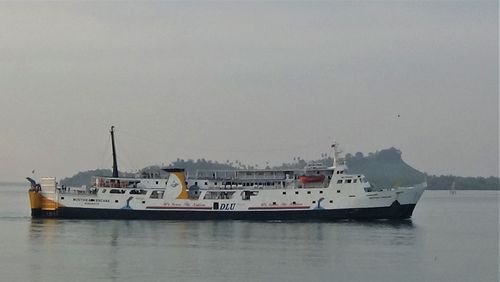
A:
178,208
279,208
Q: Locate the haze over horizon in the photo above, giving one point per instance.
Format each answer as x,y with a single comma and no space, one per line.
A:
247,81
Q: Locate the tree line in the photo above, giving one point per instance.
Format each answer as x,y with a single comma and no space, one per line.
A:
384,168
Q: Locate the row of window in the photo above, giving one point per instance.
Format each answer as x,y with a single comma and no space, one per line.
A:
340,181
297,192
294,203
123,191
246,184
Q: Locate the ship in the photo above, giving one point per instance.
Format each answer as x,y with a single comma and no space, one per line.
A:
314,193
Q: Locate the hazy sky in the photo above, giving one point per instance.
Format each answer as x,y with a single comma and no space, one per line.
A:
249,81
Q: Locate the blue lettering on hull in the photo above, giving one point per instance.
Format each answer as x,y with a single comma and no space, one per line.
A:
227,207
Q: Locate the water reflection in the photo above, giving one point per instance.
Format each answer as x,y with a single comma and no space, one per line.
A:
112,250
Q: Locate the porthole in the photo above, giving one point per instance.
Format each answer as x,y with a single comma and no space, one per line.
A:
321,192
284,193
116,201
296,192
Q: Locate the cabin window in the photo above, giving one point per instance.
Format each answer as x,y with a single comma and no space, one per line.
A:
156,182
143,202
218,195
339,181
294,203
116,191
156,195
246,194
314,202
103,191
296,192
338,191
215,183
321,192
354,180
284,193
274,203
62,198
116,201
206,183
138,192
348,181
308,192
331,202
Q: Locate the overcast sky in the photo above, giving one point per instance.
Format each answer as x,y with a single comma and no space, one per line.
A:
249,81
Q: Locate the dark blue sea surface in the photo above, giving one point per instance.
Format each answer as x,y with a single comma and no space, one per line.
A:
450,238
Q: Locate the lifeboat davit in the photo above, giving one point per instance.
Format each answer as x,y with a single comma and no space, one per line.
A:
311,178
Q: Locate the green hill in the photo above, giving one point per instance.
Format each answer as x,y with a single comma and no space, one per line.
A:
384,168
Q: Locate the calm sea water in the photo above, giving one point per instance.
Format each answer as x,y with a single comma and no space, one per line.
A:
450,238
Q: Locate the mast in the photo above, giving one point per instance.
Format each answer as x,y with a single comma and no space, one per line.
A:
335,153
115,165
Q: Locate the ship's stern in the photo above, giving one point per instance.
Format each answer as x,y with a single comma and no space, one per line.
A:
43,198
35,203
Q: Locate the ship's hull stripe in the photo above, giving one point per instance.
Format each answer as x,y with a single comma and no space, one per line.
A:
177,208
392,212
279,208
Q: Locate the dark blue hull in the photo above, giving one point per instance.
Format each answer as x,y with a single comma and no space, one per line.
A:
395,211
